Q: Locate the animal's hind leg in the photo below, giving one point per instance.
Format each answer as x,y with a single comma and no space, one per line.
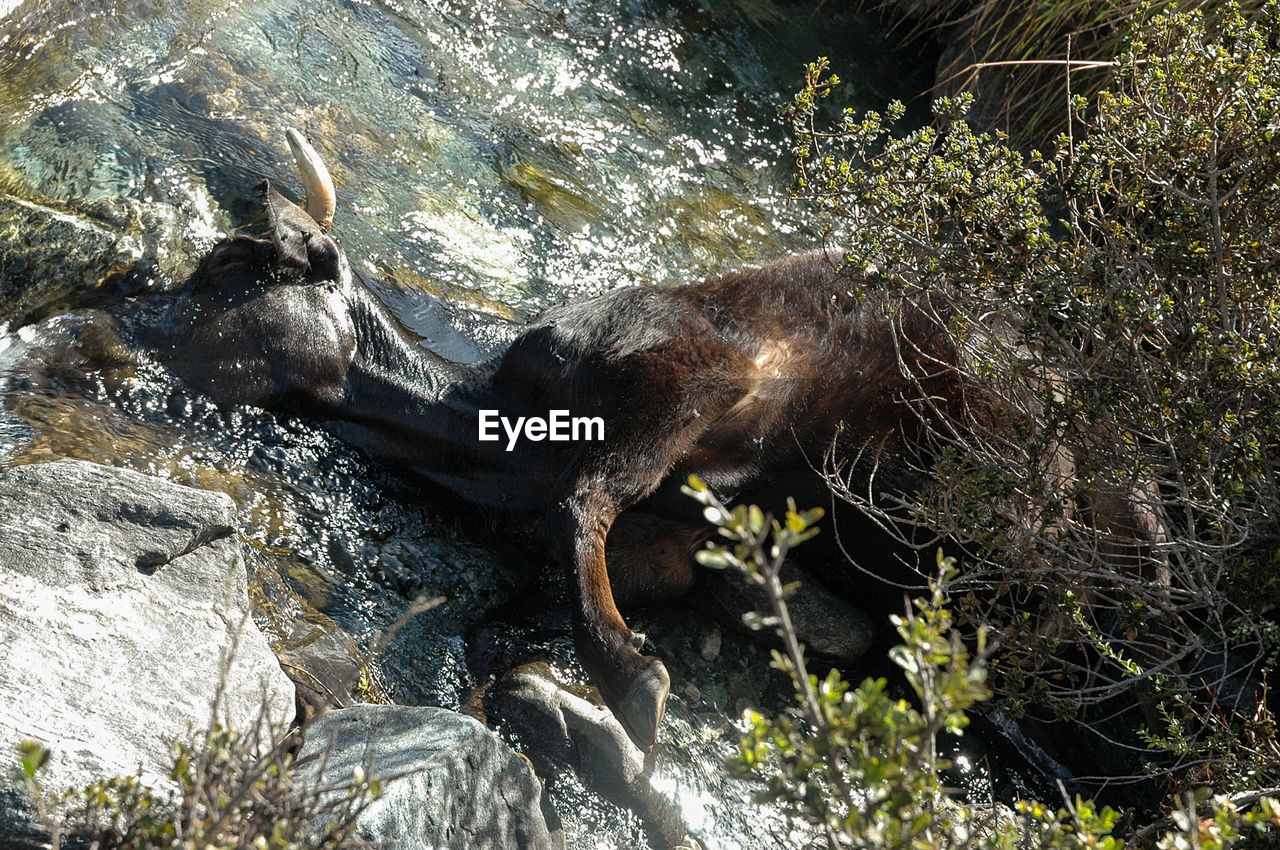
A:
651,557
671,397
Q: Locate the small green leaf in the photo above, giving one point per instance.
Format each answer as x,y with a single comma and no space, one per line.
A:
32,756
715,558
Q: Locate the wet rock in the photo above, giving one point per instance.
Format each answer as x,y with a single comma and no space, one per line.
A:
563,729
120,597
709,649
89,216
324,663
448,781
52,258
827,624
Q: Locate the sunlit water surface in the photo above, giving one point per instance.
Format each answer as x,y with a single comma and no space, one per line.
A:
498,155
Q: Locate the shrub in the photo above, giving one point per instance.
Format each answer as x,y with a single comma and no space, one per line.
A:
861,767
230,791
1117,297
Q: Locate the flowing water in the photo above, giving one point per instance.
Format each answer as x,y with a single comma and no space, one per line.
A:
497,154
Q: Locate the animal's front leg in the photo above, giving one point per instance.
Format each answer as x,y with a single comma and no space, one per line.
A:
634,686
611,477
660,376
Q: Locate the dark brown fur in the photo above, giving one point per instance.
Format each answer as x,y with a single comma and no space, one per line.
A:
744,380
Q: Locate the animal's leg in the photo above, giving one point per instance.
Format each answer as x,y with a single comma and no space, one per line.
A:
1131,530
674,398
651,557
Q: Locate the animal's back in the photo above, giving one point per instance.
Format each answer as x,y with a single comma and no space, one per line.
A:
828,361
772,370
841,376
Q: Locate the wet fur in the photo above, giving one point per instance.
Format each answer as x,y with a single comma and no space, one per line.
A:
743,379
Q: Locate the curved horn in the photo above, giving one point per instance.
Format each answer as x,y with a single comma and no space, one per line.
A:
321,199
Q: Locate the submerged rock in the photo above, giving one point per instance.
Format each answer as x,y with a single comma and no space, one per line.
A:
448,781
52,258
122,597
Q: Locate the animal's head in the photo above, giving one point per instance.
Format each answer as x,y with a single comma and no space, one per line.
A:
266,319
298,244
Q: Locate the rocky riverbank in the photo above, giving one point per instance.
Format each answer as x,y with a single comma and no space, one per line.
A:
125,611
126,620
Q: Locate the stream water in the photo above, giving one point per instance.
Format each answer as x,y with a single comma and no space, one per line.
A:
497,154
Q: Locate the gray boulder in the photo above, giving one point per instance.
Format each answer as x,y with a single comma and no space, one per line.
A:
51,258
449,783
121,598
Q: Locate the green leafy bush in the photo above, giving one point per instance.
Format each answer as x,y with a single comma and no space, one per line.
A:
862,767
1116,297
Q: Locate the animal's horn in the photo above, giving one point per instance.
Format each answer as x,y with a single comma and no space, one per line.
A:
321,199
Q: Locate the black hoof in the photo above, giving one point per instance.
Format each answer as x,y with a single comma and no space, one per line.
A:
642,708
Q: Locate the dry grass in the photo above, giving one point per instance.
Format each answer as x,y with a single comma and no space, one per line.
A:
1026,58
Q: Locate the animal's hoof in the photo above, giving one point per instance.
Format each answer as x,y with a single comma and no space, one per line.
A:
638,639
644,705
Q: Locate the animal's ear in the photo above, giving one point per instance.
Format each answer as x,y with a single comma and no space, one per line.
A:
300,242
